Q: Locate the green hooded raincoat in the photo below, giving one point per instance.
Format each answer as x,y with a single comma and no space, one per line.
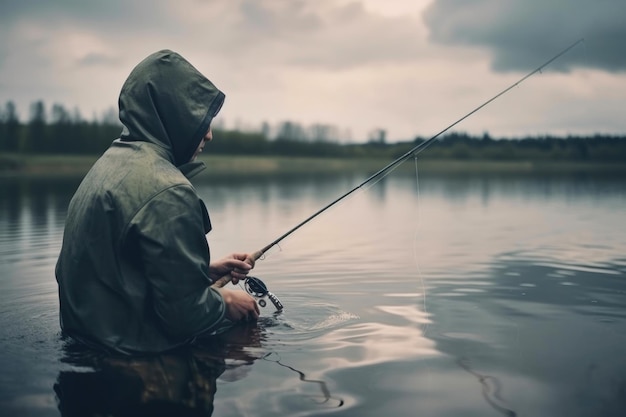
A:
133,272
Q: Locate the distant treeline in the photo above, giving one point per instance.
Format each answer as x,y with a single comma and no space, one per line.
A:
65,132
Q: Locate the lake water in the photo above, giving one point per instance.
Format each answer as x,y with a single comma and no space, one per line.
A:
447,296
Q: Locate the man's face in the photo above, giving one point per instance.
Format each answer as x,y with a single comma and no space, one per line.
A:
207,138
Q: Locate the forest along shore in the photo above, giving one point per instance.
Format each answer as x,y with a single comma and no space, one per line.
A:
19,165
67,145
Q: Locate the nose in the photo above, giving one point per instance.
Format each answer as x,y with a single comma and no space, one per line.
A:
209,136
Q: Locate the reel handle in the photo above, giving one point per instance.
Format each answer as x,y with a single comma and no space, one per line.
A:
277,304
227,278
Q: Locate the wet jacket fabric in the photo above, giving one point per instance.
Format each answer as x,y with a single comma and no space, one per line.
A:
133,271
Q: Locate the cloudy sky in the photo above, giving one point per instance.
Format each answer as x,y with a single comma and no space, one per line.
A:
411,67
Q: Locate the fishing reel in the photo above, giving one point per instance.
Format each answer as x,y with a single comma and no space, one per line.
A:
257,289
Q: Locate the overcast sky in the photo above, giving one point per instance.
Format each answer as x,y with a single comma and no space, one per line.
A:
411,67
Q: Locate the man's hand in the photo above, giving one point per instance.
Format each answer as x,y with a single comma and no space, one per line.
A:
239,305
237,265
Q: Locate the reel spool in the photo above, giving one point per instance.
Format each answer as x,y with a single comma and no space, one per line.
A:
257,288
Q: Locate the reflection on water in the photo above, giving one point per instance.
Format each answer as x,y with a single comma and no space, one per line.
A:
449,296
490,389
181,383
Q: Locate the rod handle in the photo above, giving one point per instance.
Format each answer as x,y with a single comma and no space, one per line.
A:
227,278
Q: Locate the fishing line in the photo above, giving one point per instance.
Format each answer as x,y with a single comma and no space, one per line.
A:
415,251
381,176
585,54
395,163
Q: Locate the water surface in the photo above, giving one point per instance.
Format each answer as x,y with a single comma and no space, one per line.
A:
446,296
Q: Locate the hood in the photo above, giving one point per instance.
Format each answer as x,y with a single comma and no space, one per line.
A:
167,102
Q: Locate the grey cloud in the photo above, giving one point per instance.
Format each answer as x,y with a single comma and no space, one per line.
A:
78,10
112,22
111,18
324,34
278,18
98,60
523,34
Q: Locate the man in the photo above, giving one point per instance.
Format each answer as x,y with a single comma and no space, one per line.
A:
134,272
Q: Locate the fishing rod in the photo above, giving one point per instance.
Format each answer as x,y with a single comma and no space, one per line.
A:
411,153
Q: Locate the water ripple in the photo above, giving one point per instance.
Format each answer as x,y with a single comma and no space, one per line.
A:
579,268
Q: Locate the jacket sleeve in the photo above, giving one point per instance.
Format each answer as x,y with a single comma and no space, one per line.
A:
169,237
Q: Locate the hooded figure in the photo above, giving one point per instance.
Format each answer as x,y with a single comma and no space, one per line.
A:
134,271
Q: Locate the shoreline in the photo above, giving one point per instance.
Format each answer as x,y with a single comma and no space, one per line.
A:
234,165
